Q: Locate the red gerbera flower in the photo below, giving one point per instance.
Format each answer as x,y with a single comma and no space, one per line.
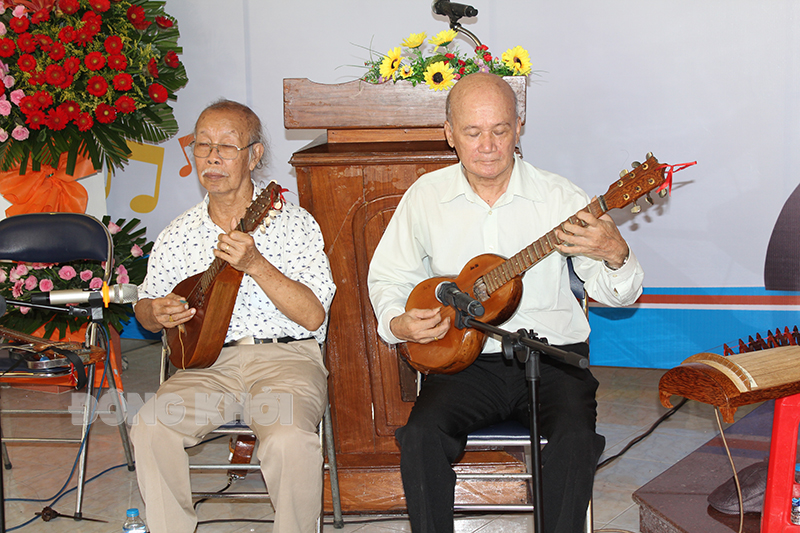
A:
125,104
97,86
67,82
71,109
171,59
105,114
164,22
26,43
7,47
26,62
84,121
117,62
157,93
152,67
72,64
57,119
19,24
43,15
35,120
45,42
122,82
55,74
100,6
94,61
67,34
28,105
69,7
37,78
43,99
57,52
113,44
84,35
137,17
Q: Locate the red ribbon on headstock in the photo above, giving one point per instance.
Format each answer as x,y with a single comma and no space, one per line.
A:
671,169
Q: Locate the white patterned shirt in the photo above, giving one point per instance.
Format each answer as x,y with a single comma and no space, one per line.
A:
293,243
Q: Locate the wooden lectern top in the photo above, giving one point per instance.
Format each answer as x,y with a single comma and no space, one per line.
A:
377,112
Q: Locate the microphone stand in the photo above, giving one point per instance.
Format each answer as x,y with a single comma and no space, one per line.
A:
527,347
95,311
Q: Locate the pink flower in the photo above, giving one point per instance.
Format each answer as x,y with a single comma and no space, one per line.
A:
16,96
41,266
5,108
16,290
9,81
123,278
67,273
30,283
18,271
19,11
20,133
45,285
96,283
3,29
3,138
136,251
3,275
86,275
113,228
24,310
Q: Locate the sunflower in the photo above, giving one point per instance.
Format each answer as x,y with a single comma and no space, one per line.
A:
518,60
415,40
390,63
439,76
406,71
443,38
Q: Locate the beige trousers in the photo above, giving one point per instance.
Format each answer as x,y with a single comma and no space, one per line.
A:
280,390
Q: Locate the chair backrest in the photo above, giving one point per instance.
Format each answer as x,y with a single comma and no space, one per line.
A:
56,238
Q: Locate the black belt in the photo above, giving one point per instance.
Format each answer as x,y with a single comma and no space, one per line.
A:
282,340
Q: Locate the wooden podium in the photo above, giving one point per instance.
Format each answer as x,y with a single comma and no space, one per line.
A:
379,139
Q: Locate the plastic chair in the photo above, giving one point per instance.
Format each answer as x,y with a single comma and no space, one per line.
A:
237,428
62,238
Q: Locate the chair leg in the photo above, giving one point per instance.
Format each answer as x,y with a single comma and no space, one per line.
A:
589,527
87,411
4,449
336,500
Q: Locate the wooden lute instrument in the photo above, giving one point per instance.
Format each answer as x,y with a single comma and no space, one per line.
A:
197,343
497,282
51,349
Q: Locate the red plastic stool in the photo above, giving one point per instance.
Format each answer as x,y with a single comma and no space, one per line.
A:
782,458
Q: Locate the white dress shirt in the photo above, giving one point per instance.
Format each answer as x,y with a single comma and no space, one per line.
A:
441,223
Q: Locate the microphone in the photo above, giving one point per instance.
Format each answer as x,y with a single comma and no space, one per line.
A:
453,10
124,293
448,293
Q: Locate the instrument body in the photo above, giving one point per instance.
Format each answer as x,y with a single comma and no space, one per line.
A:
197,343
496,282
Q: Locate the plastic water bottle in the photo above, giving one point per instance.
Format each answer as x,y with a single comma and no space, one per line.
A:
134,523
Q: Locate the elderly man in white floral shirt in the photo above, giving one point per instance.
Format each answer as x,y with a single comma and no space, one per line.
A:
271,356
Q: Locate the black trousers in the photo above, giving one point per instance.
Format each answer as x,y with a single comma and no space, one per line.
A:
491,390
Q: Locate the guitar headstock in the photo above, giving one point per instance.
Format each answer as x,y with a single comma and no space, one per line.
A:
264,208
635,183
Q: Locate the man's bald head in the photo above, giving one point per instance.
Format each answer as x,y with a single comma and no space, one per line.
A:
479,85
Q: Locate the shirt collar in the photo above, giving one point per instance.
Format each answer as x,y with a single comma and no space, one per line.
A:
517,186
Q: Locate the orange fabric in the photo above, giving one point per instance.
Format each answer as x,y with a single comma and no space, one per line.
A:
46,191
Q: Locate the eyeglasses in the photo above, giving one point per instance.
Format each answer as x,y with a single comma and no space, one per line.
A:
225,151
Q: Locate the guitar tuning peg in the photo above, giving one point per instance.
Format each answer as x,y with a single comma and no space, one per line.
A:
648,199
662,193
636,208
622,173
635,164
649,155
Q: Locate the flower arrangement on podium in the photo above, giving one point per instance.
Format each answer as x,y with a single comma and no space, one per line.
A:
445,64
19,280
81,78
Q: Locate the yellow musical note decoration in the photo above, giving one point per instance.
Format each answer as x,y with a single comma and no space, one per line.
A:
147,153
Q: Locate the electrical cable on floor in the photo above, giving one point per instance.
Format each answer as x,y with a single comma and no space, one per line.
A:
639,438
735,475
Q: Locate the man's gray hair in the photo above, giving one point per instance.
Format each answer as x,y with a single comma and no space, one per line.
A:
255,133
